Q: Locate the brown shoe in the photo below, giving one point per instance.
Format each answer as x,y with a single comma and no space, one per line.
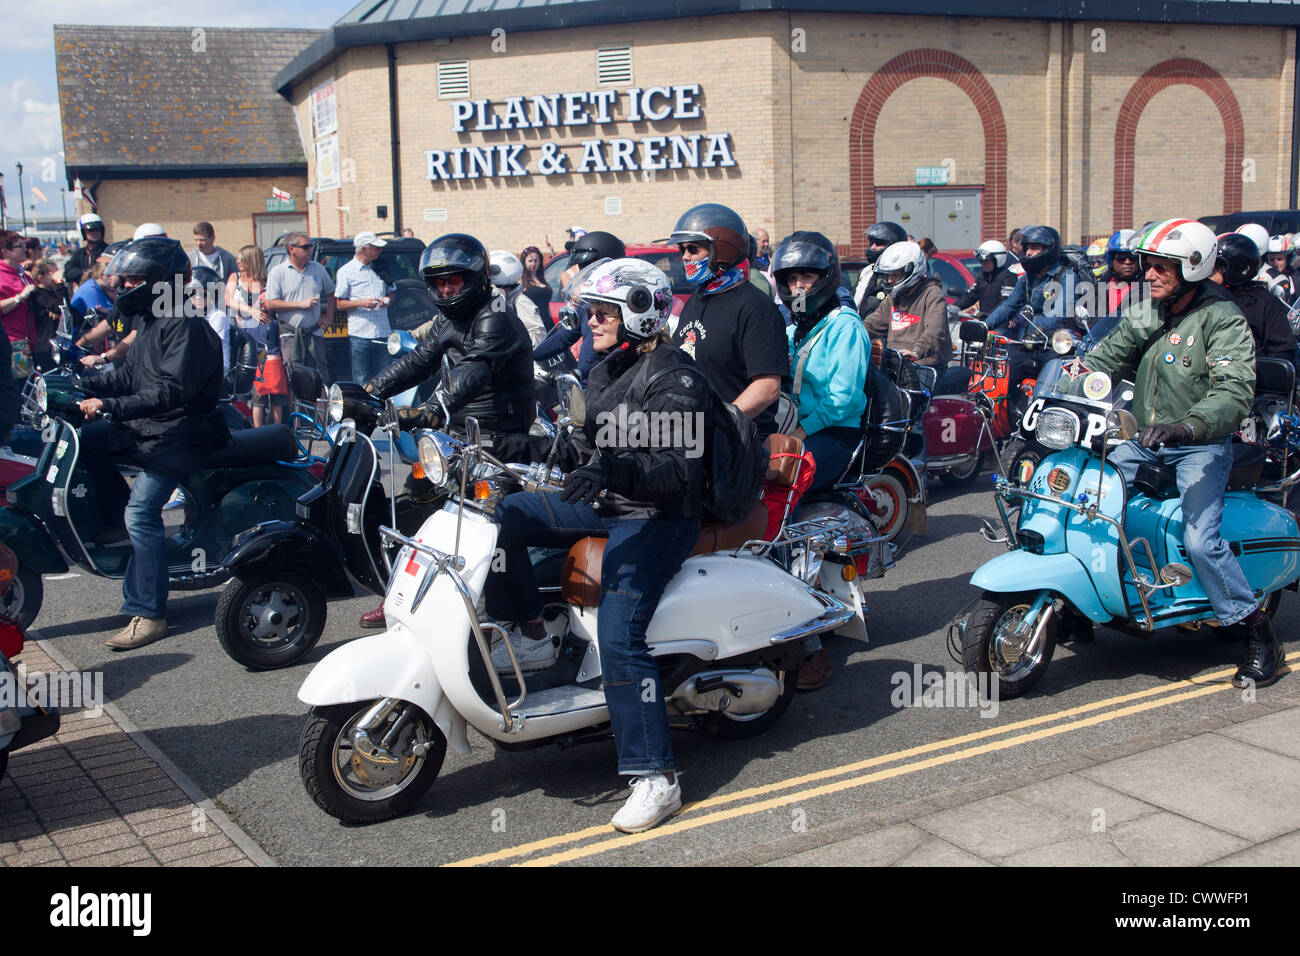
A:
141,631
815,671
374,618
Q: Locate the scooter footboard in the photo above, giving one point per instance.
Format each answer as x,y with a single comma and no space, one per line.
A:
1063,574
392,664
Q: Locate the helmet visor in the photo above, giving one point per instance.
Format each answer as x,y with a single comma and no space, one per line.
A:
576,287
801,254
440,260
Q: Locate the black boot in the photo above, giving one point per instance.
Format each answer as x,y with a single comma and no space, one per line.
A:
1264,655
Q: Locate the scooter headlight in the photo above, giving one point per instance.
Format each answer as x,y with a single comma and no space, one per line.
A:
432,460
1062,342
394,343
1057,428
336,403
41,394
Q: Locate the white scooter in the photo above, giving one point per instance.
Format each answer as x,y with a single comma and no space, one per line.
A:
729,633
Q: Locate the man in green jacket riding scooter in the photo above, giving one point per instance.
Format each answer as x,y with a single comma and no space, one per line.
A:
1194,359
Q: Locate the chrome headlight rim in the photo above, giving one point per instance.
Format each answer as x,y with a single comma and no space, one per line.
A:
1062,342
41,395
438,454
335,404
1057,428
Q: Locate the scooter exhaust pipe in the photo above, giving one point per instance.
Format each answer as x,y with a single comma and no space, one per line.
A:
734,691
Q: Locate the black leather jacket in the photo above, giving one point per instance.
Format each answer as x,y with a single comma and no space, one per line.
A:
491,369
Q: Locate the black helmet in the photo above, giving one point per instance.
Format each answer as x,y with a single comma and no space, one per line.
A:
724,231
1238,259
156,259
113,248
807,252
596,245
886,234
458,253
1044,236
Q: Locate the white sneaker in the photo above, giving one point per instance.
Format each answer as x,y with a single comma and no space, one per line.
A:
533,655
654,799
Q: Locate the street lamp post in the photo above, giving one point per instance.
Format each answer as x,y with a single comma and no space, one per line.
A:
22,202
63,198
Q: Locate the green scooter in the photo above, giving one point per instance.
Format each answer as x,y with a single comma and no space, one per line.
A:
54,519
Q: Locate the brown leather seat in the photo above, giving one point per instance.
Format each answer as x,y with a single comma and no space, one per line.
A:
786,453
580,579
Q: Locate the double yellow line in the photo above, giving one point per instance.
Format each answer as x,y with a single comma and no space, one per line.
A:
808,786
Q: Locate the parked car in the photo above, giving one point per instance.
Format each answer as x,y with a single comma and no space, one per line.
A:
667,258
951,270
399,262
1276,221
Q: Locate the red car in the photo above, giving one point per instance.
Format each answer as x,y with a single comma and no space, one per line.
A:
667,258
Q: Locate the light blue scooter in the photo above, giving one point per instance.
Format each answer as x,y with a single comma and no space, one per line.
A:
1088,550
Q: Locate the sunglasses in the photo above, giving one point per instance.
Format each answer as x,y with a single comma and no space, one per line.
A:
693,248
301,245
1124,257
602,316
1161,266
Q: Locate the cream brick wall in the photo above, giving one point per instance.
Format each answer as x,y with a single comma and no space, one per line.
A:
177,204
789,115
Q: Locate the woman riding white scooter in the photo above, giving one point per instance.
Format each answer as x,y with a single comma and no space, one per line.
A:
651,512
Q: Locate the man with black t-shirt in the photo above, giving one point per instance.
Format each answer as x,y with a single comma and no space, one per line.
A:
735,333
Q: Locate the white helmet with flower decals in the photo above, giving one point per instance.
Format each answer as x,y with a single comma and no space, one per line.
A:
640,289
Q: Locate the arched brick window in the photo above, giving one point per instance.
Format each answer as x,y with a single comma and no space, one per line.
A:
913,65
1159,77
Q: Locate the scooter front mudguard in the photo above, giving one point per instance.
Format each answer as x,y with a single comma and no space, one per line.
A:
392,664
288,546
1062,574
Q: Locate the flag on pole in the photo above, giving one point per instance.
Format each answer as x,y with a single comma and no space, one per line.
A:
39,195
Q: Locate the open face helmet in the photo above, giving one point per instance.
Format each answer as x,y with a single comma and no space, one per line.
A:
994,251
505,268
640,290
724,232
89,221
1192,244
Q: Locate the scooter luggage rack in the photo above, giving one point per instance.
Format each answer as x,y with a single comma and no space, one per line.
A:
801,531
453,564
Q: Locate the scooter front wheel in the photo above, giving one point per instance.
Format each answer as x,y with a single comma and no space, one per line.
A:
989,646
22,602
368,783
269,619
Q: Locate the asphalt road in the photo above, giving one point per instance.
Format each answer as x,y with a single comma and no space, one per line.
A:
839,751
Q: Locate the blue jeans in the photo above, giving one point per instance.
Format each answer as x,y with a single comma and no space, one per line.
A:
144,589
1202,480
640,559
831,448
369,357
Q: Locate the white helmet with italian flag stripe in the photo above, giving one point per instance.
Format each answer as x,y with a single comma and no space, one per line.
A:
1189,242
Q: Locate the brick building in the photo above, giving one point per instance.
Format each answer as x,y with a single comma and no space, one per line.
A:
175,126
517,120
1092,116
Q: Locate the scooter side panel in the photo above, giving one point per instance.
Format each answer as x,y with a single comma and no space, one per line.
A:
1096,542
31,542
1063,574
288,545
392,664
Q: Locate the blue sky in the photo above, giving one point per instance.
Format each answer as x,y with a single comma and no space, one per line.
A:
29,98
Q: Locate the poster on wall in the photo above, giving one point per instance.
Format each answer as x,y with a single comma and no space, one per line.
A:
327,164
324,110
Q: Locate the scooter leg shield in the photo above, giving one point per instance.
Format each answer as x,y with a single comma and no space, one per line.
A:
392,664
1063,574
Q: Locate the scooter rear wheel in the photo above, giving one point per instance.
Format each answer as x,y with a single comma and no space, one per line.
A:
963,476
269,619
351,786
985,649
891,499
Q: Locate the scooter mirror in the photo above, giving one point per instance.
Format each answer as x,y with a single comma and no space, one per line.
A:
566,386
471,431
1125,421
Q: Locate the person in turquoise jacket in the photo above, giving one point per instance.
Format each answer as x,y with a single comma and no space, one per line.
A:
829,353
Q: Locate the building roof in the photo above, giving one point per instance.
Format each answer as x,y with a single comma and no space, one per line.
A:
176,100
396,21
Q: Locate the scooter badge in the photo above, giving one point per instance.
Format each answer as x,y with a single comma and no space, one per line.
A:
1175,339
1096,386
1058,480
1074,368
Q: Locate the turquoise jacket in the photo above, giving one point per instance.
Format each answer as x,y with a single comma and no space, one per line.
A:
830,391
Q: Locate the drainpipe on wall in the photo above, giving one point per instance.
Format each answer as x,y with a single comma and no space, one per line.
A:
1295,119
394,137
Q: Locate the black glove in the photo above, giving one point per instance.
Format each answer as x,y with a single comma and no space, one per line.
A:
582,486
419,416
1179,433
370,389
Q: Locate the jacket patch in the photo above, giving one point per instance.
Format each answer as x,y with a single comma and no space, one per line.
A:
1169,358
902,320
